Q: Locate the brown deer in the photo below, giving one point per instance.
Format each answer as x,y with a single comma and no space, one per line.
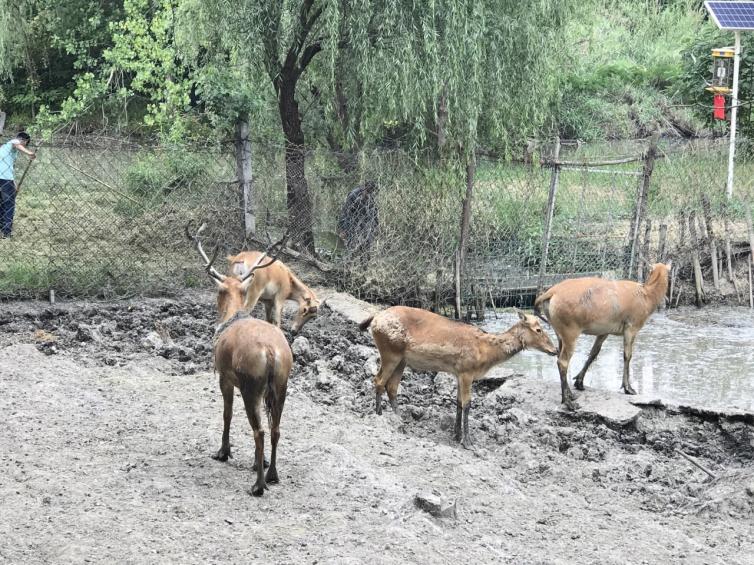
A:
273,287
253,356
425,341
599,307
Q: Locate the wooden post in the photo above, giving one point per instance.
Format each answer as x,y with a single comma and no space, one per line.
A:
644,258
465,222
244,175
698,281
457,283
554,179
729,257
662,247
712,242
641,204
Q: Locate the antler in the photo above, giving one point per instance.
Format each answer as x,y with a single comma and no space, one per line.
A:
211,271
272,250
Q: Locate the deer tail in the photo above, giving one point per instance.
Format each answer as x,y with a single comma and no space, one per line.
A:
270,391
366,323
540,308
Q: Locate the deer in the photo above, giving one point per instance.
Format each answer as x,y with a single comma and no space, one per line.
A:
424,341
273,287
599,307
250,355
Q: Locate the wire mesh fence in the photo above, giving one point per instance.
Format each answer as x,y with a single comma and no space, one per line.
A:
105,217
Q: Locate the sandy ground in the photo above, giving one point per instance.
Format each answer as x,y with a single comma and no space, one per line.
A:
110,413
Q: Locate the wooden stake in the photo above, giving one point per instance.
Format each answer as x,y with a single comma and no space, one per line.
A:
712,242
554,179
695,463
661,250
698,280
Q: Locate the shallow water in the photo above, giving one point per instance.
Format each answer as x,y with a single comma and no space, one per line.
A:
703,357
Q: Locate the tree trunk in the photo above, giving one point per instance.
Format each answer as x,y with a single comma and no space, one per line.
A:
244,175
465,222
297,190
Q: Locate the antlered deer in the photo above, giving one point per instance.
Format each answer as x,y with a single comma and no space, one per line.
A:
253,356
273,287
599,307
425,341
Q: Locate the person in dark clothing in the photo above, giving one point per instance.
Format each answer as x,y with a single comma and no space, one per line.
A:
359,222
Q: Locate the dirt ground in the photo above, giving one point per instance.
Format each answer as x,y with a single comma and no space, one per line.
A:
110,412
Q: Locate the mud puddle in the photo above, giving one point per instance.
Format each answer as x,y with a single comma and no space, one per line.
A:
702,357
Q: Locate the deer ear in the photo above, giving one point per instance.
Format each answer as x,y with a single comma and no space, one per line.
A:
521,315
669,264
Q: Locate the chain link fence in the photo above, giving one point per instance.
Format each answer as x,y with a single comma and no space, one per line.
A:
103,217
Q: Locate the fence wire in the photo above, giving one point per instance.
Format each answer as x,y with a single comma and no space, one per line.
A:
102,217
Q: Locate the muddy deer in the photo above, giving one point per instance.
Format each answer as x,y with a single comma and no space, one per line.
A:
421,340
251,355
273,287
599,307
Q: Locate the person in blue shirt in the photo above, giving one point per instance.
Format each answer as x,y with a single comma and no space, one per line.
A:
8,155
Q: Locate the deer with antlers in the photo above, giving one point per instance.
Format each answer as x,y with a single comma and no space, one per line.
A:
251,355
599,307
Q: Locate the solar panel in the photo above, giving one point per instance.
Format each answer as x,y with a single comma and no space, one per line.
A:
736,16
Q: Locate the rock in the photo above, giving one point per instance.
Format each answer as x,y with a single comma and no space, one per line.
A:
435,506
445,385
608,407
325,377
301,347
153,341
85,332
417,412
371,367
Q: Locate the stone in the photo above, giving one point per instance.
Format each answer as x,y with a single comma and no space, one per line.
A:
301,347
611,408
85,332
435,506
153,341
371,367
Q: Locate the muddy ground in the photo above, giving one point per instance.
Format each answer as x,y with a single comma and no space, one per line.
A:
110,412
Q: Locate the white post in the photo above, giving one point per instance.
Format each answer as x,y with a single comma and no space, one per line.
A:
733,113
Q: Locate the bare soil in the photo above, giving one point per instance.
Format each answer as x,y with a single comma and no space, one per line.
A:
110,412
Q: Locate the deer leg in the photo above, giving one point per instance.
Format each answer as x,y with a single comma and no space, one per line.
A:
252,399
387,367
564,358
226,387
598,341
464,402
392,385
252,297
268,310
277,311
275,413
628,351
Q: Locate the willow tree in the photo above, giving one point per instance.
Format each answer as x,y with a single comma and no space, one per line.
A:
471,67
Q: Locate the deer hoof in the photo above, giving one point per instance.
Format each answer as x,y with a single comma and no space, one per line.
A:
272,477
258,489
578,385
629,390
571,404
222,455
466,443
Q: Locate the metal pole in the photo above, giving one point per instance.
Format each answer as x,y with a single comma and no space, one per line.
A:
733,114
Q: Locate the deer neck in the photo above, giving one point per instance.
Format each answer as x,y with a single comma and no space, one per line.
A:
505,345
298,289
656,288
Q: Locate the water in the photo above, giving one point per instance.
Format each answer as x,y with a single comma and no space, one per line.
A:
685,356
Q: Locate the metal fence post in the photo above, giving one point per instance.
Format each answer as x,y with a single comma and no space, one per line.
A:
554,179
